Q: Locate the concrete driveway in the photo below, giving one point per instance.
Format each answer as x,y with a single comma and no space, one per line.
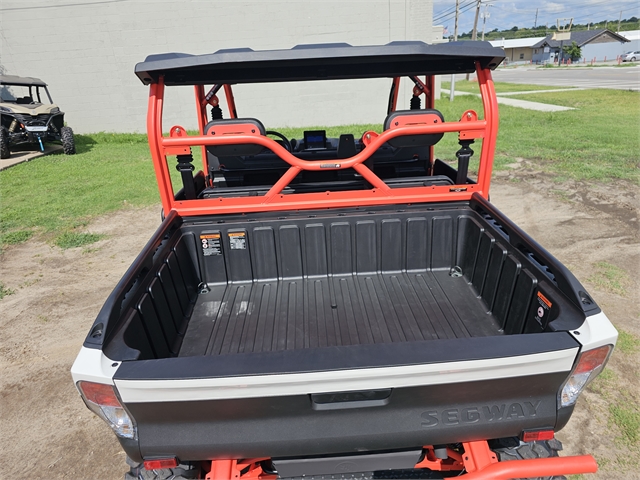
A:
621,78
24,154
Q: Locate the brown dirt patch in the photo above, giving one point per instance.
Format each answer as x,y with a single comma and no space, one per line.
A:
47,432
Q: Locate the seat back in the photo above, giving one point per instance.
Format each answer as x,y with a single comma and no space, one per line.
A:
403,117
242,149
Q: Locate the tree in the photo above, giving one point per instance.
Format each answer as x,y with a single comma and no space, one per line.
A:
572,51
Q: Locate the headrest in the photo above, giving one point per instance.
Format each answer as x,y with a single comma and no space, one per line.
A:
242,149
426,140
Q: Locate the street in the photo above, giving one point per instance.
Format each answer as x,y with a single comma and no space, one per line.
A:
621,78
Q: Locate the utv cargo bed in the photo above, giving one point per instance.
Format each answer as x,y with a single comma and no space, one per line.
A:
260,283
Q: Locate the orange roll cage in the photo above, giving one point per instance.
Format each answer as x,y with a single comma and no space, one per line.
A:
468,127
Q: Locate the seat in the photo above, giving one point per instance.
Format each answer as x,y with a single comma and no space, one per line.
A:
426,140
241,149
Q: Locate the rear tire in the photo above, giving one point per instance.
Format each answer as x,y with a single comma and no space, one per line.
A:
530,450
5,151
181,472
68,142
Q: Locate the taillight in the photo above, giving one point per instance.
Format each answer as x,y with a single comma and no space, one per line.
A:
588,367
102,400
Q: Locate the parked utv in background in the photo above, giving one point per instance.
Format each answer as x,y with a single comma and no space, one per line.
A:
29,116
345,307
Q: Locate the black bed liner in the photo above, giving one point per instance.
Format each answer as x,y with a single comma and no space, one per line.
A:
313,280
336,311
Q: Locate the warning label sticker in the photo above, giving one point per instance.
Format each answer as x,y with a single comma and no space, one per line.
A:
237,240
211,244
544,306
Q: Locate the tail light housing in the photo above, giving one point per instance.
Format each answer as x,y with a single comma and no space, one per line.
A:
102,400
588,367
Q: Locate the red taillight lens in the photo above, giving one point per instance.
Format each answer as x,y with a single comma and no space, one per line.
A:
99,393
161,463
592,359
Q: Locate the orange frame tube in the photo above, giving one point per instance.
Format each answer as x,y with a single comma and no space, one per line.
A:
478,461
274,200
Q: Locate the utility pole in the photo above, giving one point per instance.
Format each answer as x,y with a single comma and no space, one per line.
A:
455,32
535,23
619,20
455,39
474,34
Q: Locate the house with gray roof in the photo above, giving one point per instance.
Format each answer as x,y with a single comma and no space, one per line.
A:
517,50
599,44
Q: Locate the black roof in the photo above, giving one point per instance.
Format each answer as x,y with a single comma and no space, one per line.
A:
581,37
318,62
22,81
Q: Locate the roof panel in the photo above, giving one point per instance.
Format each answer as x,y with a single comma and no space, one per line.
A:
22,81
318,62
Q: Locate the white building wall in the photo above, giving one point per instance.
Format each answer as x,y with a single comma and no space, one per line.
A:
86,51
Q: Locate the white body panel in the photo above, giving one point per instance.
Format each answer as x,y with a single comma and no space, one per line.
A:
344,380
596,331
92,365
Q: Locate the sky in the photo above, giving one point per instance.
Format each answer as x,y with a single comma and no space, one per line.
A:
505,14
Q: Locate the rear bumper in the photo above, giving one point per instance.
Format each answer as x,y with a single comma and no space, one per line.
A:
475,462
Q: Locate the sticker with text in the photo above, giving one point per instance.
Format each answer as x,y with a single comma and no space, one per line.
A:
238,240
211,244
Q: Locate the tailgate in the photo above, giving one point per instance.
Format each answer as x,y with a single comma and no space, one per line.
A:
346,399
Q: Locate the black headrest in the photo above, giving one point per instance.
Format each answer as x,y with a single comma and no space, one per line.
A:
242,149
413,140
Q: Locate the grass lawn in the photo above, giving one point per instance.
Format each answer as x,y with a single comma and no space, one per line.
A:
598,141
57,195
501,87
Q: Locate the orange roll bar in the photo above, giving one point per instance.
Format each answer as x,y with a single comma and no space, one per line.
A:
380,193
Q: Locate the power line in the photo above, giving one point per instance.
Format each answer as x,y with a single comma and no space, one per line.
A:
452,14
469,7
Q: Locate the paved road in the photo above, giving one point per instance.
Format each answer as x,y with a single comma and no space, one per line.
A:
627,78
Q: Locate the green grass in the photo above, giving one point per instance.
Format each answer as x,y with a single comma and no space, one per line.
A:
597,141
610,278
18,236
627,342
501,87
627,418
4,291
75,239
58,193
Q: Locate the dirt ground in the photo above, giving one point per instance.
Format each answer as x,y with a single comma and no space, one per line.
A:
46,431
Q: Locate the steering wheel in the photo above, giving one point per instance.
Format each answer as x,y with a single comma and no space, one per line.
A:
285,140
